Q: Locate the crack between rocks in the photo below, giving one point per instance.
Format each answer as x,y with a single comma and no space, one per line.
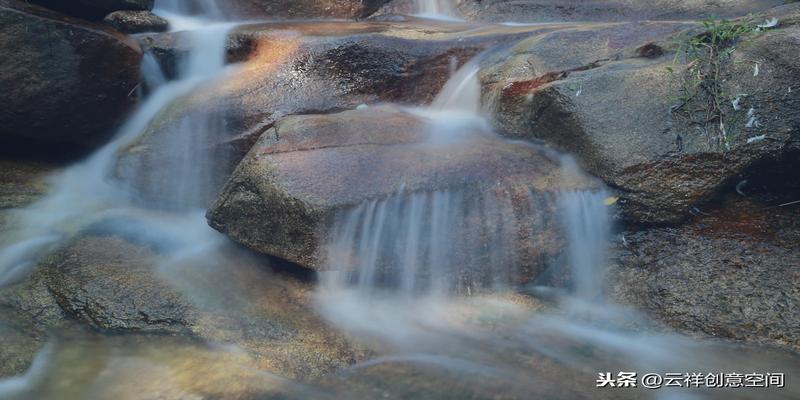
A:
522,87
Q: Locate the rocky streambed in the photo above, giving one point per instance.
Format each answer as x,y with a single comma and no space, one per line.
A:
355,134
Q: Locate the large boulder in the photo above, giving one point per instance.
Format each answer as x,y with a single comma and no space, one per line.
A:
68,83
730,273
591,10
616,111
293,68
95,9
307,176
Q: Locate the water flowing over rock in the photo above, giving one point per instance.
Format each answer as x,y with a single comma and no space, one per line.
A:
306,171
393,221
432,9
294,68
125,281
612,108
69,83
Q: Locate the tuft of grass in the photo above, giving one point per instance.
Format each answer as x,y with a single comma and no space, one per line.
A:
702,97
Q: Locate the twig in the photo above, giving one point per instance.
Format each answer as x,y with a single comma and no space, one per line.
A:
134,89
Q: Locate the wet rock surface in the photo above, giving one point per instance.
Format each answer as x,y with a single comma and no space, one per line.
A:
299,9
136,22
731,272
306,169
109,283
613,106
68,83
533,11
22,182
123,285
95,9
19,341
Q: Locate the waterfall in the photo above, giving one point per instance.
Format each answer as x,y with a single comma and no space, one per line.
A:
83,193
587,225
456,110
188,15
462,92
435,9
428,244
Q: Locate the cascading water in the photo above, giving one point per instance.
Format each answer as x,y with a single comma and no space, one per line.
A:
414,251
462,92
435,9
420,243
184,15
586,222
426,276
399,282
84,193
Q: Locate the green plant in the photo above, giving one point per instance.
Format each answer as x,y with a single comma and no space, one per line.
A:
702,97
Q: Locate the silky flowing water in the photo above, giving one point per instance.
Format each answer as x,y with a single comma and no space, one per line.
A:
395,283
436,9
